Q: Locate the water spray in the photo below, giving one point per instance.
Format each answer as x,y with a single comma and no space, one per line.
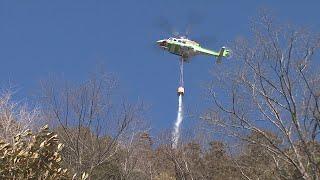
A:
176,130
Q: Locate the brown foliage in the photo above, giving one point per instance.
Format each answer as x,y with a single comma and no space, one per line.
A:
32,157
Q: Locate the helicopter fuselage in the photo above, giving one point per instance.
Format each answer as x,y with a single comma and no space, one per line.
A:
187,48
181,47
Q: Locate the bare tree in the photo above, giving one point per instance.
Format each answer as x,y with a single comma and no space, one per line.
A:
173,163
89,123
273,87
15,117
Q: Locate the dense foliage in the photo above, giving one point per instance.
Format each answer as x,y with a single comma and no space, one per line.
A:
32,157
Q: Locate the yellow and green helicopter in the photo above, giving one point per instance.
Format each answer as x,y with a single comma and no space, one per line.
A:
187,48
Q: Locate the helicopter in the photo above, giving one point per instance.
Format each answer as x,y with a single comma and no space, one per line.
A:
186,48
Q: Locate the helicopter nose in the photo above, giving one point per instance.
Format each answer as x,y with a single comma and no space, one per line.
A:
159,42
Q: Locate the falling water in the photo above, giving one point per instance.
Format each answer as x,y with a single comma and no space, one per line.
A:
176,130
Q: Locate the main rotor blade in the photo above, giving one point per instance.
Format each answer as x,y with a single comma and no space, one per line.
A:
193,19
207,40
165,25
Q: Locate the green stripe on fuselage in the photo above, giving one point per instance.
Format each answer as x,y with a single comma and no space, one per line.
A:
177,49
174,49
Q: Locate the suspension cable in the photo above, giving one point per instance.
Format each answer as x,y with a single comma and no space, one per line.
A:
181,72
